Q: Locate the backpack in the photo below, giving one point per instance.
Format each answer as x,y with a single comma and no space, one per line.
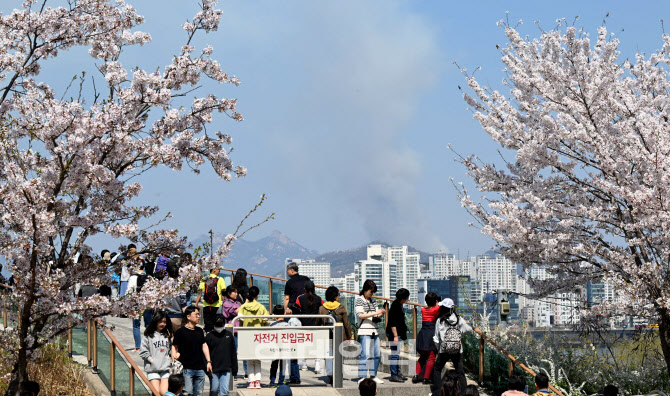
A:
451,343
211,290
161,266
332,313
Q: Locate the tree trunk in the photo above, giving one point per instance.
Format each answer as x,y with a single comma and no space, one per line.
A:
20,371
664,334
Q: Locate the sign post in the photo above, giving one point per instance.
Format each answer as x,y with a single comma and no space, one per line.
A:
338,362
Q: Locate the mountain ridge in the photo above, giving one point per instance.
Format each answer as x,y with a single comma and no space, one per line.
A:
267,255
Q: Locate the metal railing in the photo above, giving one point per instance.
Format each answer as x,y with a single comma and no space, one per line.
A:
112,367
483,339
134,371
112,370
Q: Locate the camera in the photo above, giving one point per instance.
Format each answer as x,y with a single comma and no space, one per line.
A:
376,319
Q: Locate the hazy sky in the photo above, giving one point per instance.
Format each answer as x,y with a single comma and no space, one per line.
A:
349,107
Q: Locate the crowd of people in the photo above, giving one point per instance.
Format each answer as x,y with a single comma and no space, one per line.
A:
179,356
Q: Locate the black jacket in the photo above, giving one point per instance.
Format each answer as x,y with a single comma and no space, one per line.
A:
306,309
396,318
222,351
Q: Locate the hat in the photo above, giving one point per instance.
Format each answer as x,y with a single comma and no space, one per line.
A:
283,390
292,266
447,303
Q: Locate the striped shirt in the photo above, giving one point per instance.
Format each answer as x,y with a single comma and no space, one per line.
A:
365,326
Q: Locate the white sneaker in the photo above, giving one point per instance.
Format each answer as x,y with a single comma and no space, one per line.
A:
303,368
377,380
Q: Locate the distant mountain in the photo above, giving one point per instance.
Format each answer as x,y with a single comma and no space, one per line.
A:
265,256
342,261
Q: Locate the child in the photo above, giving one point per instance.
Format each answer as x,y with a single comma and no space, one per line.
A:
448,332
230,304
333,308
281,364
396,332
450,385
309,304
222,349
155,351
253,307
367,387
424,341
175,385
517,386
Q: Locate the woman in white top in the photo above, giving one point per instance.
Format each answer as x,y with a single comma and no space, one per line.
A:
368,316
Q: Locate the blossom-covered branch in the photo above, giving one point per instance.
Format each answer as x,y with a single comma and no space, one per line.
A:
586,195
69,168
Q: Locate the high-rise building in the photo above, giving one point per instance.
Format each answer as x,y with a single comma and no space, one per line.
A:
543,309
444,265
351,282
340,283
461,289
408,267
383,273
495,271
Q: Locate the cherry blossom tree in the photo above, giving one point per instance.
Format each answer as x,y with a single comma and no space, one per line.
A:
585,186
69,167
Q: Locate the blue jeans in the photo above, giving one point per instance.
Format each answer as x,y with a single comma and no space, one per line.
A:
277,365
329,362
194,381
370,350
219,384
295,371
137,334
395,356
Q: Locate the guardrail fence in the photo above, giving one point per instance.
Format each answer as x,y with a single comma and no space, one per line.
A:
117,370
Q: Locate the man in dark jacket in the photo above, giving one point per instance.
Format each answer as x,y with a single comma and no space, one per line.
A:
294,288
222,349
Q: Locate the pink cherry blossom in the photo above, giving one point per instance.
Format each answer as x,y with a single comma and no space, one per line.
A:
586,192
68,166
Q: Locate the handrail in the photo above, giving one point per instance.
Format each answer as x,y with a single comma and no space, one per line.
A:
130,361
416,305
512,358
315,316
118,346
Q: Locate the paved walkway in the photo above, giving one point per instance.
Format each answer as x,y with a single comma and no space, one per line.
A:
311,382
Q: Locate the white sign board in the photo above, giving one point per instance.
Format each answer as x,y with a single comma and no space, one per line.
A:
270,343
